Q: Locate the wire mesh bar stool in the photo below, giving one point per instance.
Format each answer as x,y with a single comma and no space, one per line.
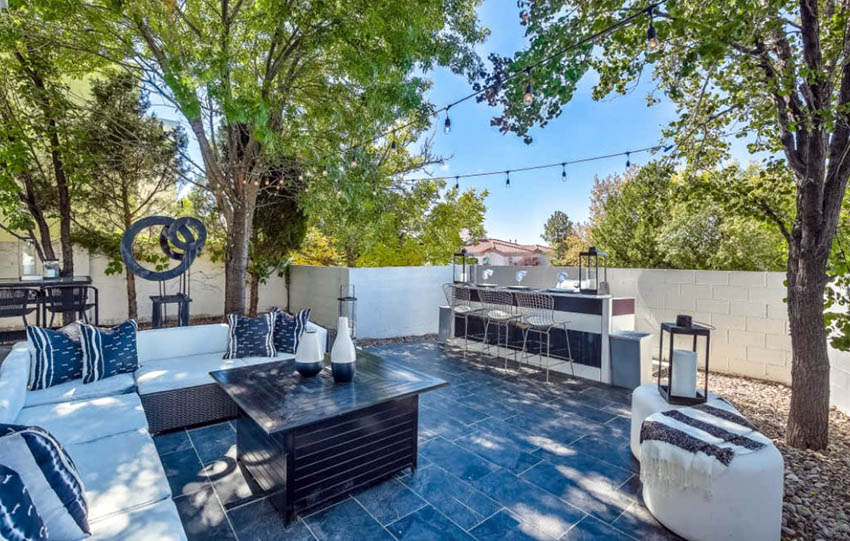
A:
459,298
538,316
74,299
499,311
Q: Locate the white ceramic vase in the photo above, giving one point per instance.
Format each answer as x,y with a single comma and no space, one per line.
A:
343,354
309,355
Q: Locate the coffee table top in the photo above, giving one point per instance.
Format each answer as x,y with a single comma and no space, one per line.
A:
278,398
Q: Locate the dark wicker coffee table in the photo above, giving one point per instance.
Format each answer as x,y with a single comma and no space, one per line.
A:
309,442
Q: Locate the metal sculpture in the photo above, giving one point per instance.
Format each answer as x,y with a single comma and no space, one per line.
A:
181,239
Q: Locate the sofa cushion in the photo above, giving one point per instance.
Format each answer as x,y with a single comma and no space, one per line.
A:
19,518
158,521
87,420
77,390
168,343
250,336
120,473
108,352
288,329
57,356
181,372
14,374
50,477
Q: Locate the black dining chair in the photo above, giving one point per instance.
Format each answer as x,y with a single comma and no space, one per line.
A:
19,302
75,299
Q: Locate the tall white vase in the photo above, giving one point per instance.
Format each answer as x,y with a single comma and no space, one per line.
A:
343,353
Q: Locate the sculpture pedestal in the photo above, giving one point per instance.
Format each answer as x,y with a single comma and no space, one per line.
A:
159,304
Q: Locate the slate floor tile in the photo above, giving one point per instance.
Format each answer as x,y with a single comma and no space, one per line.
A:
427,524
172,442
498,450
260,521
453,409
532,504
456,499
638,522
214,441
202,516
616,452
504,527
346,520
233,485
389,501
522,439
592,529
184,471
610,393
434,423
584,467
455,460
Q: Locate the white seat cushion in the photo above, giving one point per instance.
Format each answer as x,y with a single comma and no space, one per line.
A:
158,521
120,473
160,344
181,372
251,361
77,390
87,420
14,375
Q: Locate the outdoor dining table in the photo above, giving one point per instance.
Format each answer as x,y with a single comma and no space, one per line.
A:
44,283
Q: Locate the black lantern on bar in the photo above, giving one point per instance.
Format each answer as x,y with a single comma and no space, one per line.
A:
677,375
460,274
348,308
588,272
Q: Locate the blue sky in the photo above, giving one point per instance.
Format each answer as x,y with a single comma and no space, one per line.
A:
585,128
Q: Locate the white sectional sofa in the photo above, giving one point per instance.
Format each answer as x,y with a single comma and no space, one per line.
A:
107,426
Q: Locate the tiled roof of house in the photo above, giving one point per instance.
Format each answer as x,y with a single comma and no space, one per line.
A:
505,248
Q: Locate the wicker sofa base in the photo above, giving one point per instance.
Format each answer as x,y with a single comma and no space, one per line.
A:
189,406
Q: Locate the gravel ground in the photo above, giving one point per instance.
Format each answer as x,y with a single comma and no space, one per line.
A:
817,484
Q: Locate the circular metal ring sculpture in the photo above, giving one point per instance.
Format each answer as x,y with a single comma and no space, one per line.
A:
186,234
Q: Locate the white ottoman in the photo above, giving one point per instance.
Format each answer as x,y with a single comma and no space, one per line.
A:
746,500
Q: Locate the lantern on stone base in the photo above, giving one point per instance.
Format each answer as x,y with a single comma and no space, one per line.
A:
677,375
460,270
588,272
347,301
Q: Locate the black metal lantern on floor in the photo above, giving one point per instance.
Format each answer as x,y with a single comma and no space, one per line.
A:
460,272
588,272
677,374
347,301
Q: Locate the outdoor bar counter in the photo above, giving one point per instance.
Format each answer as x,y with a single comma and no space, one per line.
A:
589,318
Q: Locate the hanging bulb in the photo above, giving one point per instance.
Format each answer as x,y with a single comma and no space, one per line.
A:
447,125
392,144
339,193
300,177
457,183
325,172
353,162
507,180
563,172
529,93
651,38
256,183
628,163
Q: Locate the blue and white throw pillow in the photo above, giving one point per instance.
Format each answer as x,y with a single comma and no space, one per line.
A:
56,356
250,336
108,352
19,519
288,329
51,479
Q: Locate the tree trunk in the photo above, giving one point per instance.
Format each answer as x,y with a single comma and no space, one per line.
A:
808,421
236,260
255,294
132,307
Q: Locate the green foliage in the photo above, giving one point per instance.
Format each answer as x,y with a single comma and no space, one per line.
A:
557,229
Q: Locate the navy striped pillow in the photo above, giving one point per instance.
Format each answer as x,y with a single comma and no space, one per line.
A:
108,352
57,356
50,477
19,519
250,336
288,329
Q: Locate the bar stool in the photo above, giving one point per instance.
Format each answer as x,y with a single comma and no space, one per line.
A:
499,311
538,316
459,298
75,299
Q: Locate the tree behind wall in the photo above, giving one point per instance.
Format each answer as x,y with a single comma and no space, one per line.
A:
779,69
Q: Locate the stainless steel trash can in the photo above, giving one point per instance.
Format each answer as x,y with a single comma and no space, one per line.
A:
631,359
445,324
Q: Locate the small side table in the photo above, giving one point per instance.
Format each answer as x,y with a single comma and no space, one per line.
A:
160,303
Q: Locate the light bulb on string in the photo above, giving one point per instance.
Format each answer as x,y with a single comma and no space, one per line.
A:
325,172
529,92
628,162
300,177
507,180
457,183
564,172
651,37
447,125
392,144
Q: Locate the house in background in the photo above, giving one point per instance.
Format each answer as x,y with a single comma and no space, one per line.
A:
503,252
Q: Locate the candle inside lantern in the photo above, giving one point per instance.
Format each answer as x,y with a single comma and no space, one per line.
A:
684,377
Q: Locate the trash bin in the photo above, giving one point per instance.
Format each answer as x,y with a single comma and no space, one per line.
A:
631,359
445,324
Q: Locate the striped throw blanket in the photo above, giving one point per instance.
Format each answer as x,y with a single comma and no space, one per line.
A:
688,447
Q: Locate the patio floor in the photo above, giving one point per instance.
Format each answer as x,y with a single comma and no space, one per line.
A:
502,456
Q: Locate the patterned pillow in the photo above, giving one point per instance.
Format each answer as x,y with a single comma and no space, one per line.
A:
57,356
108,352
50,477
288,329
19,519
250,336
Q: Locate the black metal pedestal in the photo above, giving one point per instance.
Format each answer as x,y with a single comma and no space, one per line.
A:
159,305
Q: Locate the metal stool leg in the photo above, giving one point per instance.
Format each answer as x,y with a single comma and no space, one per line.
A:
548,359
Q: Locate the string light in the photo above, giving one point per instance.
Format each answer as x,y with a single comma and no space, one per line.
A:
447,125
457,183
325,172
529,93
300,177
564,172
392,144
353,161
651,38
628,163
507,180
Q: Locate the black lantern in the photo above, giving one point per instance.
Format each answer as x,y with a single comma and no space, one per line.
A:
348,308
460,274
588,272
677,376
